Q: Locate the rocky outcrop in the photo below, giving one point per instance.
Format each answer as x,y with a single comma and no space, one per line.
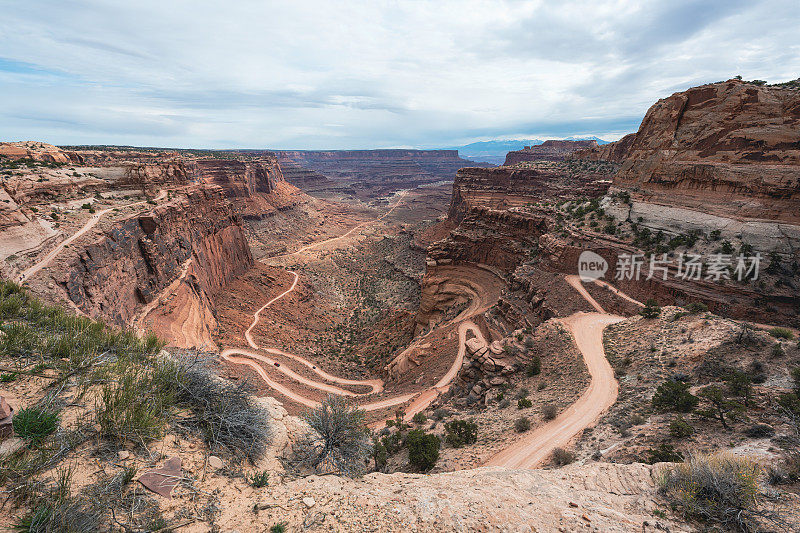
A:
616,151
33,150
500,238
256,188
139,256
149,176
730,149
505,187
551,150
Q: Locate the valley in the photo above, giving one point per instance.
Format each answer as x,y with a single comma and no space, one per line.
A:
492,377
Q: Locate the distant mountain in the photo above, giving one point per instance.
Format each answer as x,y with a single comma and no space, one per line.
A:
494,151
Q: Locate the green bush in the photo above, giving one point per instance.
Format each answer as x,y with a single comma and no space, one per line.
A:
534,368
259,479
280,527
524,403
460,433
419,419
674,395
664,453
697,307
719,489
680,428
344,434
651,309
34,424
561,457
423,449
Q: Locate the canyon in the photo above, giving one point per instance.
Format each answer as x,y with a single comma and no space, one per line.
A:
360,273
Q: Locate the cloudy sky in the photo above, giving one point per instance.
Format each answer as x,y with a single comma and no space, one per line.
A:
322,74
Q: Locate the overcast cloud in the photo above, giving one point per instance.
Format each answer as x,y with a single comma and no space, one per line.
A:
322,74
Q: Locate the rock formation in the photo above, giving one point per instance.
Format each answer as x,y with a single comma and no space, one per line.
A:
141,255
615,151
552,150
723,156
504,187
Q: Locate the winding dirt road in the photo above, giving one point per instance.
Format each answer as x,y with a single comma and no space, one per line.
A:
419,400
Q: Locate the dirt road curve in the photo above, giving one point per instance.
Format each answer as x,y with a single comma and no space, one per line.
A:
533,449
93,220
419,401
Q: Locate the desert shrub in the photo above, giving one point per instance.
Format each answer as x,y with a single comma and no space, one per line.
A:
651,309
680,428
740,384
781,333
341,426
777,350
423,449
663,453
637,420
561,457
136,406
759,431
259,479
380,455
522,424
440,413
522,393
419,418
549,412
674,395
524,403
697,307
505,402
280,527
534,368
34,424
460,433
719,489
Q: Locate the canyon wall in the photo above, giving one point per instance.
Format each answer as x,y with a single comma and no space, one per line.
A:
138,257
504,187
256,187
729,148
551,150
722,158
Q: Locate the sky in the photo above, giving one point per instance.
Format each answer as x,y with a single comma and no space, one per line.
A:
371,74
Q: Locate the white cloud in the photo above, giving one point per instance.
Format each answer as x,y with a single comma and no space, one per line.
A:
321,74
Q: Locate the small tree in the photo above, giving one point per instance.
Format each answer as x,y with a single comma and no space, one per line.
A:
460,433
423,449
716,405
673,395
651,309
534,367
680,428
740,384
341,426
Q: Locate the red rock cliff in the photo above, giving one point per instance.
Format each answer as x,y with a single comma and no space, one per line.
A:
551,150
139,256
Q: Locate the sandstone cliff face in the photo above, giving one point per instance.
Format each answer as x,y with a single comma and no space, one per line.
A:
504,187
731,149
140,256
256,188
551,150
